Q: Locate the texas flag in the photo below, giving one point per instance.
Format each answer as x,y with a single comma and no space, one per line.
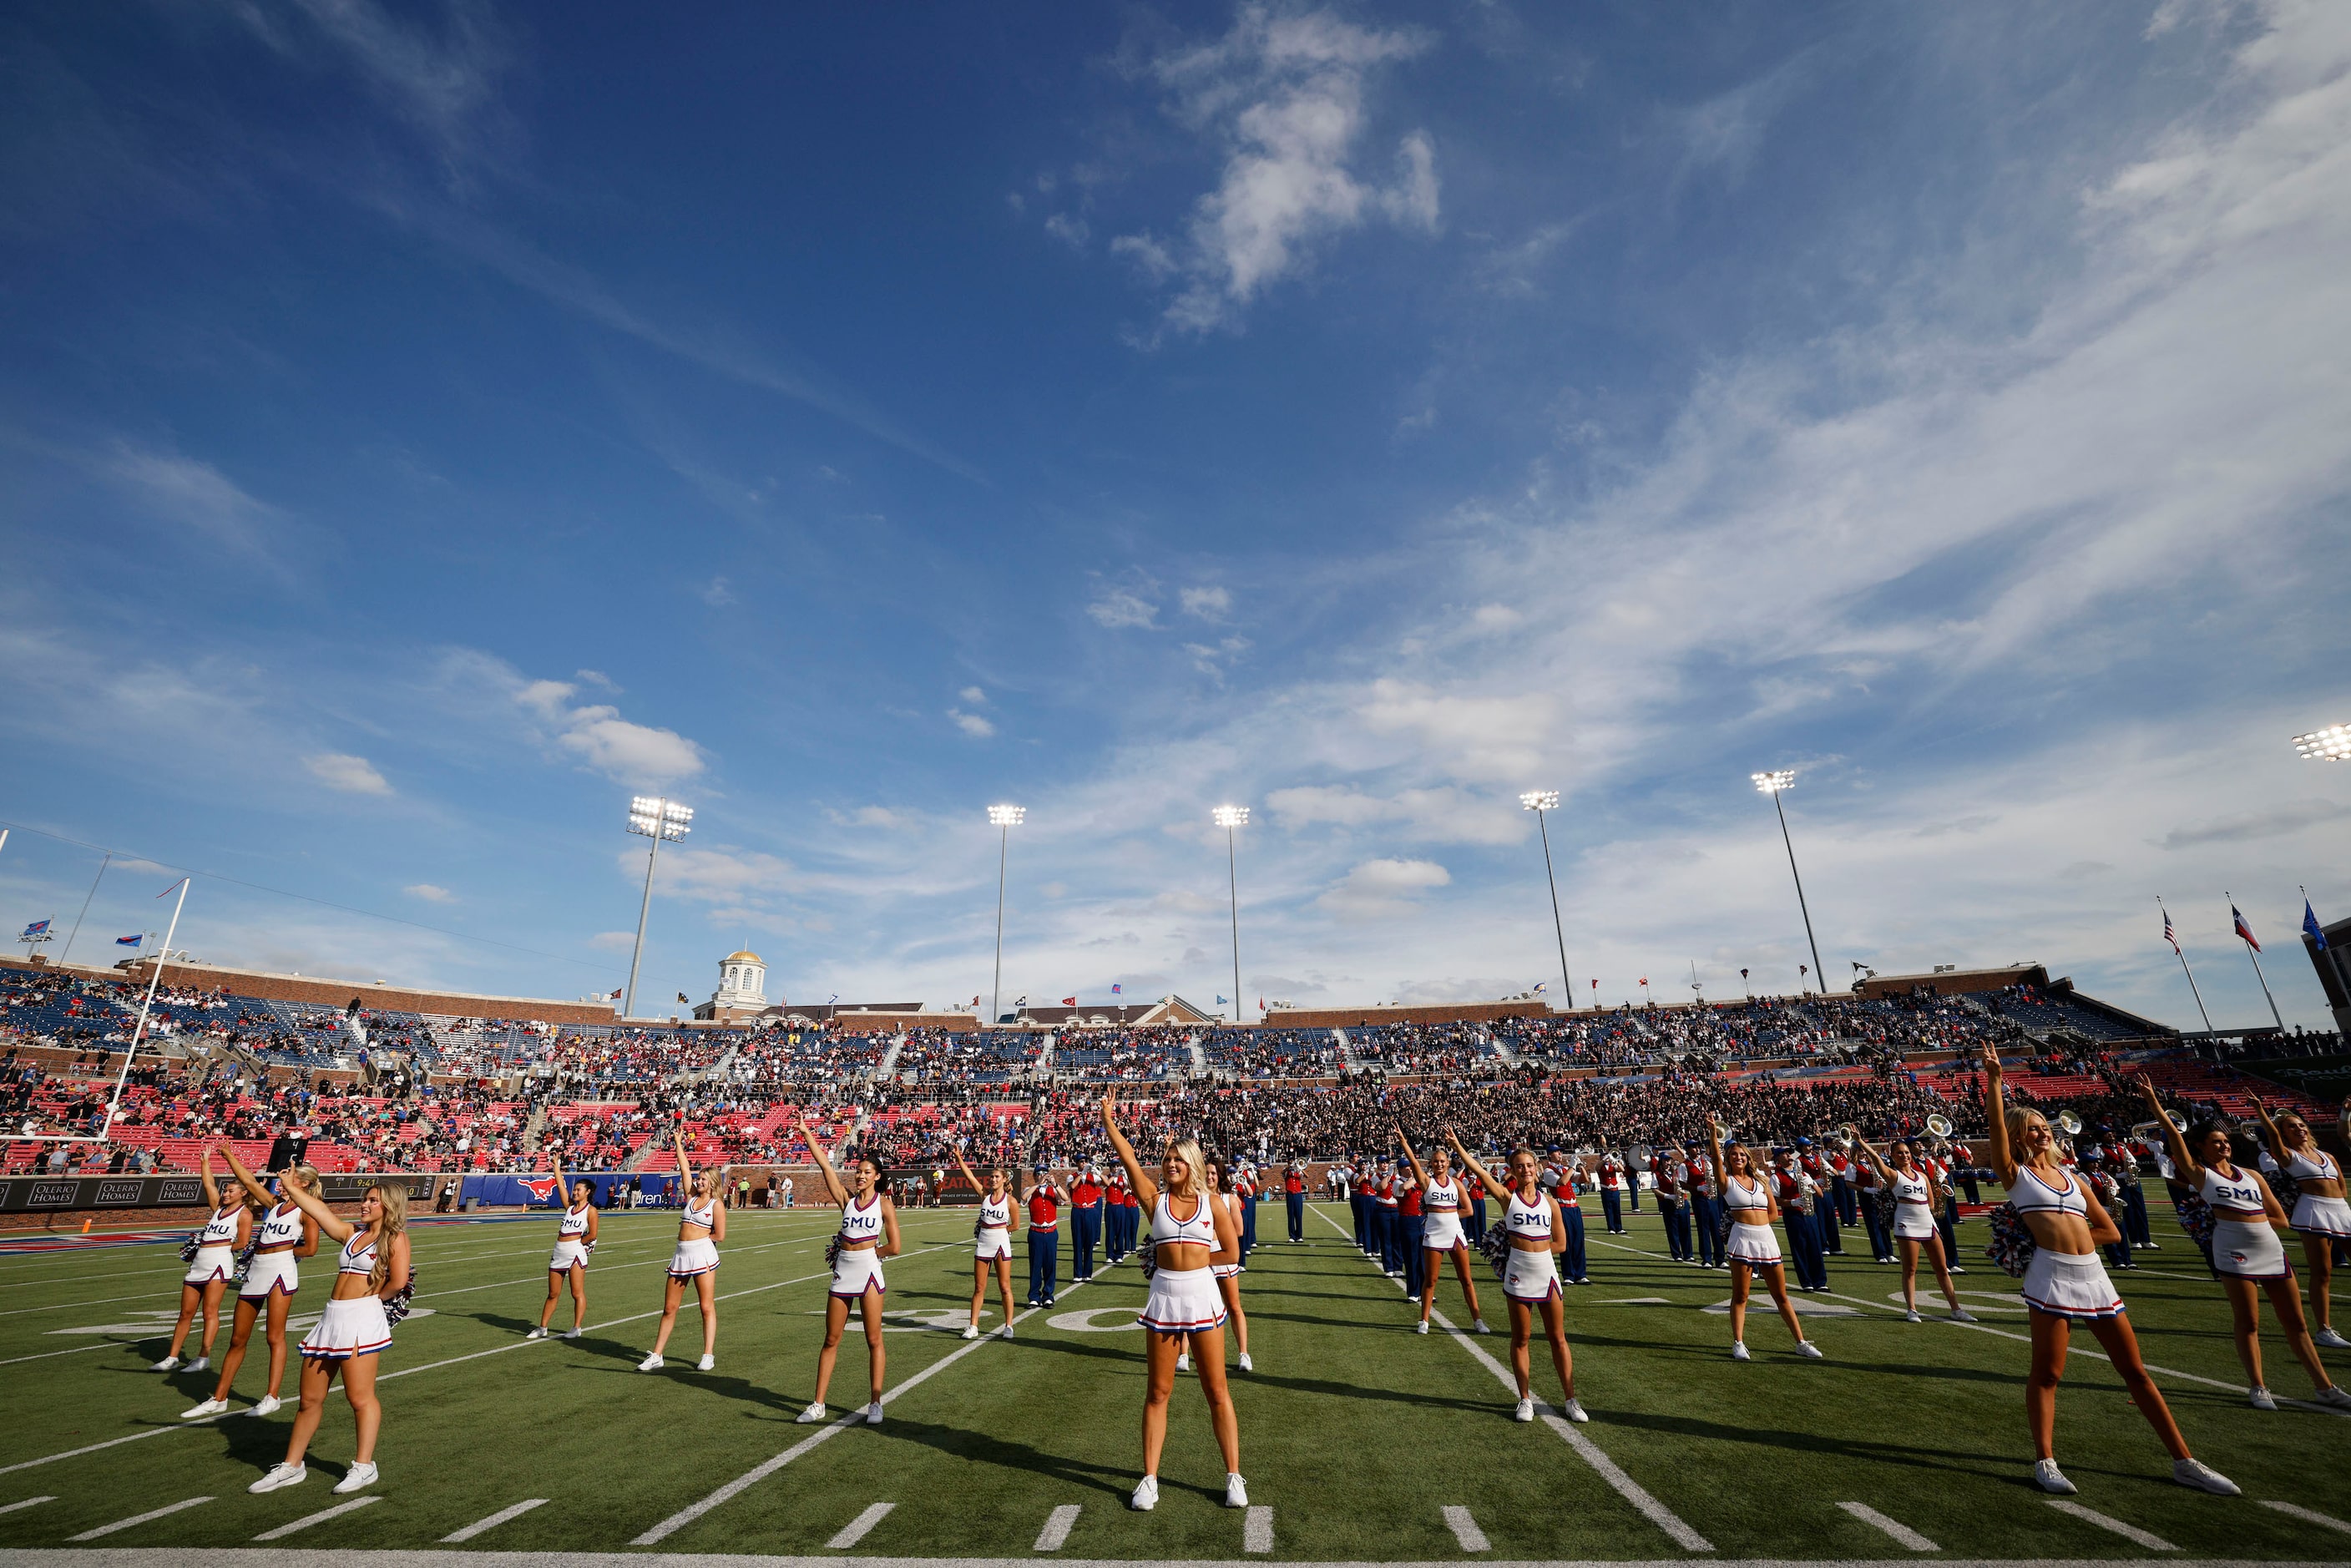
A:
2243,930
540,1187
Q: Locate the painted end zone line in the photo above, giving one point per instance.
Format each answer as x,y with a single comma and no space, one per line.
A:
1902,1533
1587,1450
857,1529
1057,1523
757,1473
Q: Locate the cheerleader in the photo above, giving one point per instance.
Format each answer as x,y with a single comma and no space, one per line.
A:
1914,1223
701,1227
1531,1277
1190,1234
2320,1214
1441,1237
575,1235
371,1268
2246,1252
1228,1275
869,1233
2066,1284
992,1242
225,1234
286,1235
1753,1245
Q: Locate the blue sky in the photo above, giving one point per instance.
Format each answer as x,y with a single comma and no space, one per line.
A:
422,426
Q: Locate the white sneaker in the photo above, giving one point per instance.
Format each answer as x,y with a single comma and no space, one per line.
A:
1961,1316
2262,1399
705,1363
971,1331
2202,1477
1574,1411
1183,1361
1806,1348
538,1333
209,1407
1524,1411
873,1414
650,1364
2049,1478
1235,1491
1007,1330
1911,1316
1421,1327
169,1364
1477,1325
811,1415
573,1334
268,1405
360,1476
2335,1397
201,1363
2325,1335
1247,1365
1147,1495
1739,1351
280,1475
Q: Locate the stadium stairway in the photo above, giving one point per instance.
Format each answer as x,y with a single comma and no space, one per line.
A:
888,1066
1200,1053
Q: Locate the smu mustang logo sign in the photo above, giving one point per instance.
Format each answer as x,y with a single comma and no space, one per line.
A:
542,1188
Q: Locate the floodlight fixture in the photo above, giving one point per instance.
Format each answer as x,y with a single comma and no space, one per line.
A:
1003,819
1232,816
2331,744
658,818
1229,818
1539,799
1007,816
1772,783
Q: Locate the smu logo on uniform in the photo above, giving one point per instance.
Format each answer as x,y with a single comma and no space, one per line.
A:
542,1188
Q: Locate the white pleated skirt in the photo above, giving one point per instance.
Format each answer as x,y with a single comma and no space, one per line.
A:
696,1257
271,1271
2323,1216
2249,1251
1530,1276
211,1263
346,1329
1915,1220
1183,1301
1758,1246
2070,1285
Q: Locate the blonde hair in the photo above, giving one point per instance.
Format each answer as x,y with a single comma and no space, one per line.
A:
2019,1117
1196,1168
395,1221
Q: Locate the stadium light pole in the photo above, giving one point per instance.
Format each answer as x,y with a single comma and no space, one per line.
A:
1230,818
1773,785
1005,818
2331,744
654,817
1540,801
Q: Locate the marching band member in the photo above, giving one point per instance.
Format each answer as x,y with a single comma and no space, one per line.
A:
1189,1235
1412,1226
2321,1215
1294,1198
1704,1183
1359,1192
1673,1203
225,1231
1085,1222
2066,1284
373,1268
1571,1178
702,1225
869,1233
1824,1212
287,1235
1245,1191
1228,1275
1531,1280
1440,1236
1913,1225
575,1233
1045,1199
1478,1193
1388,1235
2246,1252
991,1241
1751,1246
1798,1193
1612,1190
1841,1190
1866,1186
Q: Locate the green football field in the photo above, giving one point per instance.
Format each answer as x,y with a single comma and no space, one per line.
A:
1360,1440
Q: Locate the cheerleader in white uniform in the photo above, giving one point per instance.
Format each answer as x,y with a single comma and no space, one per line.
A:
869,1233
1754,1246
227,1229
1531,1276
1915,1230
287,1236
2246,1251
701,1227
2066,1284
575,1235
991,1241
1442,1204
1228,1275
2320,1214
372,1267
1190,1234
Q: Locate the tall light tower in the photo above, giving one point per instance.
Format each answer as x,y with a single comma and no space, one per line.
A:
2331,744
1004,819
1772,784
654,817
1229,818
1540,801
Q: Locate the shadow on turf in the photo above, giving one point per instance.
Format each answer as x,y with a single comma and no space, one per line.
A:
984,1447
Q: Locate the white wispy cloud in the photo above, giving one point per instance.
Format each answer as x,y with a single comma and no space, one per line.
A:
352,775
1121,607
430,893
595,733
971,724
1209,602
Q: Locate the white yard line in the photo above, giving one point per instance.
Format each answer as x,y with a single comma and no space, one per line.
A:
1902,1533
1058,1524
1587,1450
2308,1515
24,1502
138,1518
69,1306
1256,1529
856,1528
2130,1532
1465,1529
324,1514
106,1344
504,1515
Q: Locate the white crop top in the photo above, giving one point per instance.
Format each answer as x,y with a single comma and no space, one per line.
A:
1442,1197
1739,1194
858,1225
359,1262
1530,1220
281,1227
2031,1195
705,1216
1201,1229
2299,1166
220,1229
996,1213
1911,1188
2242,1193
572,1226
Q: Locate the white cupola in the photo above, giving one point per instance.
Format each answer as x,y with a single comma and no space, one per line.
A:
742,983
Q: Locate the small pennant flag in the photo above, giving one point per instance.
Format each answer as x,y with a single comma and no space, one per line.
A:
1068,1001
129,941
681,996
615,997
1221,1001
1542,986
1803,968
2243,930
2169,936
1118,991
2310,927
37,928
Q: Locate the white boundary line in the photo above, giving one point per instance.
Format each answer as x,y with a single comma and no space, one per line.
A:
1256,1529
102,1345
1902,1533
2130,1532
324,1514
1464,1526
2309,1514
350,1557
1058,1525
857,1529
1587,1450
24,1502
139,1519
479,1525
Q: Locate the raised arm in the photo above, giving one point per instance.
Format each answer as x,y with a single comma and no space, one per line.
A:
1854,1131
2269,1139
211,1188
833,1189
2003,1158
312,1205
964,1166
1714,1152
1469,1162
251,1182
555,1167
1419,1171
1145,1192
2188,1172
685,1164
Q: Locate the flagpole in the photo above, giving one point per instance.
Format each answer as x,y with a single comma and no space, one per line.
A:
2251,952
2181,954
154,978
66,956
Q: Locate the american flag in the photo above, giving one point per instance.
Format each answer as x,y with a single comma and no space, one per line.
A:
2243,930
2167,935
